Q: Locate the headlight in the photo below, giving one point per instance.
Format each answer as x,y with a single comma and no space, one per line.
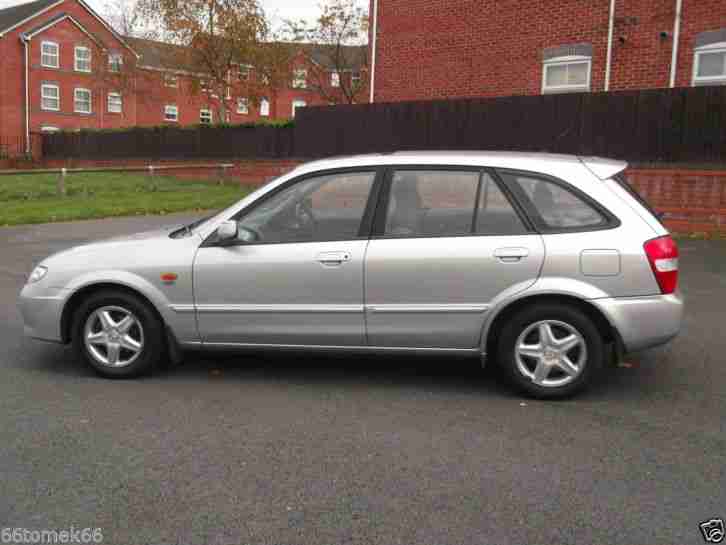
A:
38,273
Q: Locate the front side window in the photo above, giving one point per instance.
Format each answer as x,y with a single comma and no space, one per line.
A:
300,78
82,59
82,101
321,208
428,203
49,55
566,74
115,103
171,113
49,97
115,62
205,117
552,205
710,65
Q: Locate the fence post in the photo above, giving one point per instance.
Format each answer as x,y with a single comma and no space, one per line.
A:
62,182
152,185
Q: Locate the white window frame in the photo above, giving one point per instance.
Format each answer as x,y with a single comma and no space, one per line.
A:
243,106
298,103
563,61
205,113
335,79
57,54
264,108
719,47
115,62
76,49
115,95
75,100
169,108
43,97
299,78
49,128
171,80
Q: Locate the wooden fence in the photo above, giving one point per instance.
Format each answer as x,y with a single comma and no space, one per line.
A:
684,125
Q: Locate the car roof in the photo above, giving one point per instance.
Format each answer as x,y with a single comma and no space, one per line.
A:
534,161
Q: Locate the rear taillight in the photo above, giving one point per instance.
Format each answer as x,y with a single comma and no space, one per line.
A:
662,254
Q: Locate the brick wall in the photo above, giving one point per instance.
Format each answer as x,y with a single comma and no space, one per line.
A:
430,49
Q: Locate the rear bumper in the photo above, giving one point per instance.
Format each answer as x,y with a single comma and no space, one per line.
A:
41,313
644,322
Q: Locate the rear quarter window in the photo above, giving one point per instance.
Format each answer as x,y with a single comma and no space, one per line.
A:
553,205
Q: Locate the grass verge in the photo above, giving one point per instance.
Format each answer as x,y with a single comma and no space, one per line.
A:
33,199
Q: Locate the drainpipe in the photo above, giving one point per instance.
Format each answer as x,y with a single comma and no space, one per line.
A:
676,34
374,40
25,41
608,62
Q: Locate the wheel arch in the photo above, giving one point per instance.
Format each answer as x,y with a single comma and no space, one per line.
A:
492,329
78,296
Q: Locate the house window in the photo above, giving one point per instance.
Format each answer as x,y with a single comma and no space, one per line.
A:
205,117
264,107
244,73
204,86
709,65
243,106
563,74
82,101
49,128
82,61
355,79
49,54
297,104
300,78
171,113
170,80
49,97
115,62
115,103
335,79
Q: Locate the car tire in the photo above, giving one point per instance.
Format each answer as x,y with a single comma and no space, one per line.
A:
118,334
550,351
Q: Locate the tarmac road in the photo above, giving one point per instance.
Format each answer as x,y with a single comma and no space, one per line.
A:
329,450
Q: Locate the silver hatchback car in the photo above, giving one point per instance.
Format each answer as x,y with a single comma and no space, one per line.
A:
550,265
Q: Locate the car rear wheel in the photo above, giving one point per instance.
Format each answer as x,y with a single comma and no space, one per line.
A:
118,335
550,351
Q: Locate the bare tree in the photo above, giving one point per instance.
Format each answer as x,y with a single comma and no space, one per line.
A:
335,50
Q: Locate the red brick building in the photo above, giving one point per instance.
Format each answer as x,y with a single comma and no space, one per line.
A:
63,67
430,49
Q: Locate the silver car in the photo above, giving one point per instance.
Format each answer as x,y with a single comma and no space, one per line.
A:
549,265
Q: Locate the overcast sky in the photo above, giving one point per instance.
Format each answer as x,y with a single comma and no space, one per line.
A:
279,9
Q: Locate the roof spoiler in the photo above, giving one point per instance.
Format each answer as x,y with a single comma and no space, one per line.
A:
604,168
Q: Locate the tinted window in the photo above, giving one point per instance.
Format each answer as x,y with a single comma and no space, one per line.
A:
556,206
326,207
495,215
431,203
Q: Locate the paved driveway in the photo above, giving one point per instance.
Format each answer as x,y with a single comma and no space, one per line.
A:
293,450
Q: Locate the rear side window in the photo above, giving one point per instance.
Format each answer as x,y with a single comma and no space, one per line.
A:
554,206
623,182
448,203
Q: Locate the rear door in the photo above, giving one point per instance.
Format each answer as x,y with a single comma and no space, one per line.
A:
446,242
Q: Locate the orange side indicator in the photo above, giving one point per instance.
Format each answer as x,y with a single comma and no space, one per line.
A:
169,277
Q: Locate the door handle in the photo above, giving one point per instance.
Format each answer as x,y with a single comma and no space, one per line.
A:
511,255
333,259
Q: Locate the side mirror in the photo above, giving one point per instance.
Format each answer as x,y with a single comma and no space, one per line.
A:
227,231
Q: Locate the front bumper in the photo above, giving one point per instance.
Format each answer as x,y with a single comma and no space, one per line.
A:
41,310
644,322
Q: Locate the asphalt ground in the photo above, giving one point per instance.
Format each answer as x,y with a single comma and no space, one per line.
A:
300,449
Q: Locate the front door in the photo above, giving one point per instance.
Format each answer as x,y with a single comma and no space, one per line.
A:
449,243
295,276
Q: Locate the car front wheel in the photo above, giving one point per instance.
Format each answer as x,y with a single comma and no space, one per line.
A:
118,334
550,351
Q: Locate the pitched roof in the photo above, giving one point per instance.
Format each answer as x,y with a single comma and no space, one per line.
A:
165,56
9,17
